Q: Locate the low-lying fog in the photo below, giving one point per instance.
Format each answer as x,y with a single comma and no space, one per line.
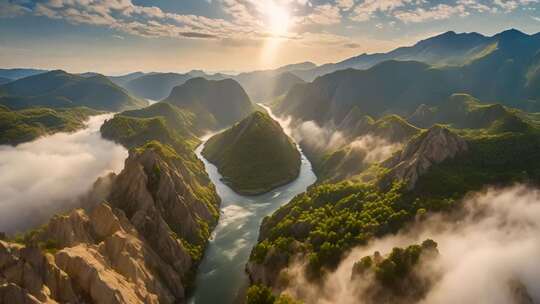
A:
48,175
492,246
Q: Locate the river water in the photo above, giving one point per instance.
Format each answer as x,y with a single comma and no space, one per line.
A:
221,277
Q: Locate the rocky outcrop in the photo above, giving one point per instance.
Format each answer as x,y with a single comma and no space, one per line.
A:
431,147
139,247
28,275
164,193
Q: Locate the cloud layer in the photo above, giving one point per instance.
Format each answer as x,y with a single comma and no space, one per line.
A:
250,18
40,178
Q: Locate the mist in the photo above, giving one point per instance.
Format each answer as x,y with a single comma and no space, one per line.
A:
374,148
50,174
486,250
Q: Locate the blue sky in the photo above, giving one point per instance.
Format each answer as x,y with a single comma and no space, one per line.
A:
119,36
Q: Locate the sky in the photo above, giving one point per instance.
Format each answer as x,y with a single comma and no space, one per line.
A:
114,37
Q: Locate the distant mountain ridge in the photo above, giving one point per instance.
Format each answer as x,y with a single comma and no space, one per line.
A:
508,74
157,86
61,89
449,48
19,73
260,85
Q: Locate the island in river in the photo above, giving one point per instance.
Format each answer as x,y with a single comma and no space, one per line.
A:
255,155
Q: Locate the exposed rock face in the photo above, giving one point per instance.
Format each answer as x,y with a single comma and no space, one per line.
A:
27,275
156,192
139,248
432,147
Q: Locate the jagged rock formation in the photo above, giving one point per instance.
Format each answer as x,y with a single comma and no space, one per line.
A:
140,247
159,190
431,147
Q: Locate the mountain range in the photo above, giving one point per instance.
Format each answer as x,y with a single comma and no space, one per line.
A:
447,49
507,74
61,89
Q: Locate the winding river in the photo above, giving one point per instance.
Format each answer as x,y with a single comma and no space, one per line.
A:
221,277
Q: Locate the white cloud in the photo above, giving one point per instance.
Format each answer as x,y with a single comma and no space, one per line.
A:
365,10
11,10
49,174
325,15
345,4
415,11
439,12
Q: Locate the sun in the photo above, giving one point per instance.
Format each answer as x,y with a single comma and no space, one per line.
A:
278,19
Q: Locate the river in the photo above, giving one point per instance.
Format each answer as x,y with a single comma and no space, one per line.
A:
221,277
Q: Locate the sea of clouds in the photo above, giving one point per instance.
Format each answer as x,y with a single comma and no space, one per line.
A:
50,174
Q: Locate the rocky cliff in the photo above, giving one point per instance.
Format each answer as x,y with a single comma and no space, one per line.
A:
142,246
431,147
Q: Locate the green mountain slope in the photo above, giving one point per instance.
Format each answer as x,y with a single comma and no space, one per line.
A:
26,125
367,141
447,49
161,121
463,111
19,73
432,173
60,89
508,74
4,80
391,86
255,155
215,103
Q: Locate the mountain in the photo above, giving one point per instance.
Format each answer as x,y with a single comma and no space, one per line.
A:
401,86
449,48
19,73
432,173
433,146
4,80
391,86
142,246
161,121
463,111
215,103
255,155
124,79
140,237
366,142
266,85
26,125
60,89
157,86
